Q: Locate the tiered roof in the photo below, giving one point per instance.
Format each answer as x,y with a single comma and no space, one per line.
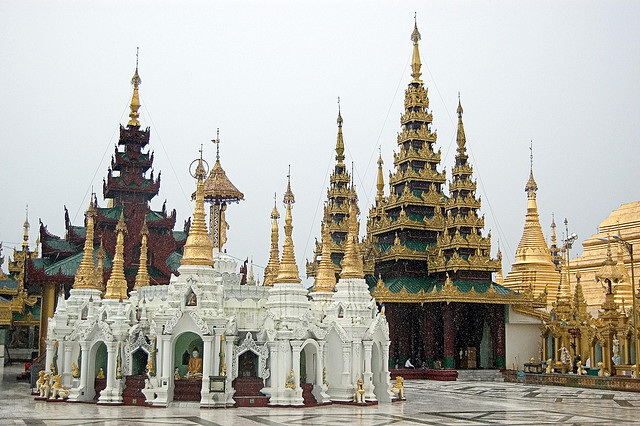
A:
336,210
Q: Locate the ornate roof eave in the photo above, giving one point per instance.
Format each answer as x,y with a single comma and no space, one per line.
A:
450,294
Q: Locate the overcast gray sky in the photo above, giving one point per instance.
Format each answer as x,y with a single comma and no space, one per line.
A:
561,73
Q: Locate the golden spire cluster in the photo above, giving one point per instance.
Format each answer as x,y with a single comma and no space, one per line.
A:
271,271
116,287
86,276
198,250
135,98
325,274
288,270
142,278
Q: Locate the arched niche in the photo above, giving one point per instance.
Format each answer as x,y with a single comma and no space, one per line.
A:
184,346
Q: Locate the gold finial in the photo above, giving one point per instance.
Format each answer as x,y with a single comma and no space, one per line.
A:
288,197
380,180
352,266
198,250
86,275
135,98
271,271
217,142
142,278
415,60
326,274
340,140
531,185
26,226
288,270
461,138
117,284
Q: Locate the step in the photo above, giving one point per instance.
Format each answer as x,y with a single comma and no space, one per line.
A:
480,376
307,394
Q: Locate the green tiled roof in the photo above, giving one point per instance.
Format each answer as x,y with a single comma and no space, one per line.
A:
9,284
415,284
69,266
60,245
180,235
80,231
173,260
411,245
111,212
153,216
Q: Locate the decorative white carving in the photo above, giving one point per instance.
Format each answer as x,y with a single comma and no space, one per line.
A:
172,323
200,322
262,351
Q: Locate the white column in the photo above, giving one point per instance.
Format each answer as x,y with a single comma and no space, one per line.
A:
207,349
320,364
49,355
84,368
66,369
385,360
367,376
346,370
295,348
216,354
167,370
105,395
228,353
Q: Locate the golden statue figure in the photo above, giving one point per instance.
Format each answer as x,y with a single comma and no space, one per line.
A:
75,371
549,368
57,390
358,396
100,374
223,225
194,368
398,387
290,383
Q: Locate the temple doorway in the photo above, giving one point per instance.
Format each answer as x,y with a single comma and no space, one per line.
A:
248,364
139,362
310,373
187,367
97,374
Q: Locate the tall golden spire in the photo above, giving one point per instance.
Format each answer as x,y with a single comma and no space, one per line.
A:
533,266
135,99
117,284
142,278
461,138
326,273
86,274
198,250
499,277
101,255
288,271
340,140
25,235
352,266
271,271
380,180
415,59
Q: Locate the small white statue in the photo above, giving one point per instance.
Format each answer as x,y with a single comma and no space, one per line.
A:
549,368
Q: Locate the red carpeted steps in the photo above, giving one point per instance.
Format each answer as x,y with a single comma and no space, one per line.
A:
132,394
248,392
187,390
307,396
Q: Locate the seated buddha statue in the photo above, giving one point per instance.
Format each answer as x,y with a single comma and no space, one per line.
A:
194,368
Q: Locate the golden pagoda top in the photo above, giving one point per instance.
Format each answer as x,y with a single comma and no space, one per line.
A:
288,269
217,187
198,250
415,59
340,140
116,287
135,98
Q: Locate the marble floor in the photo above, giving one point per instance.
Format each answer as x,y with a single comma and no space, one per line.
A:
428,403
